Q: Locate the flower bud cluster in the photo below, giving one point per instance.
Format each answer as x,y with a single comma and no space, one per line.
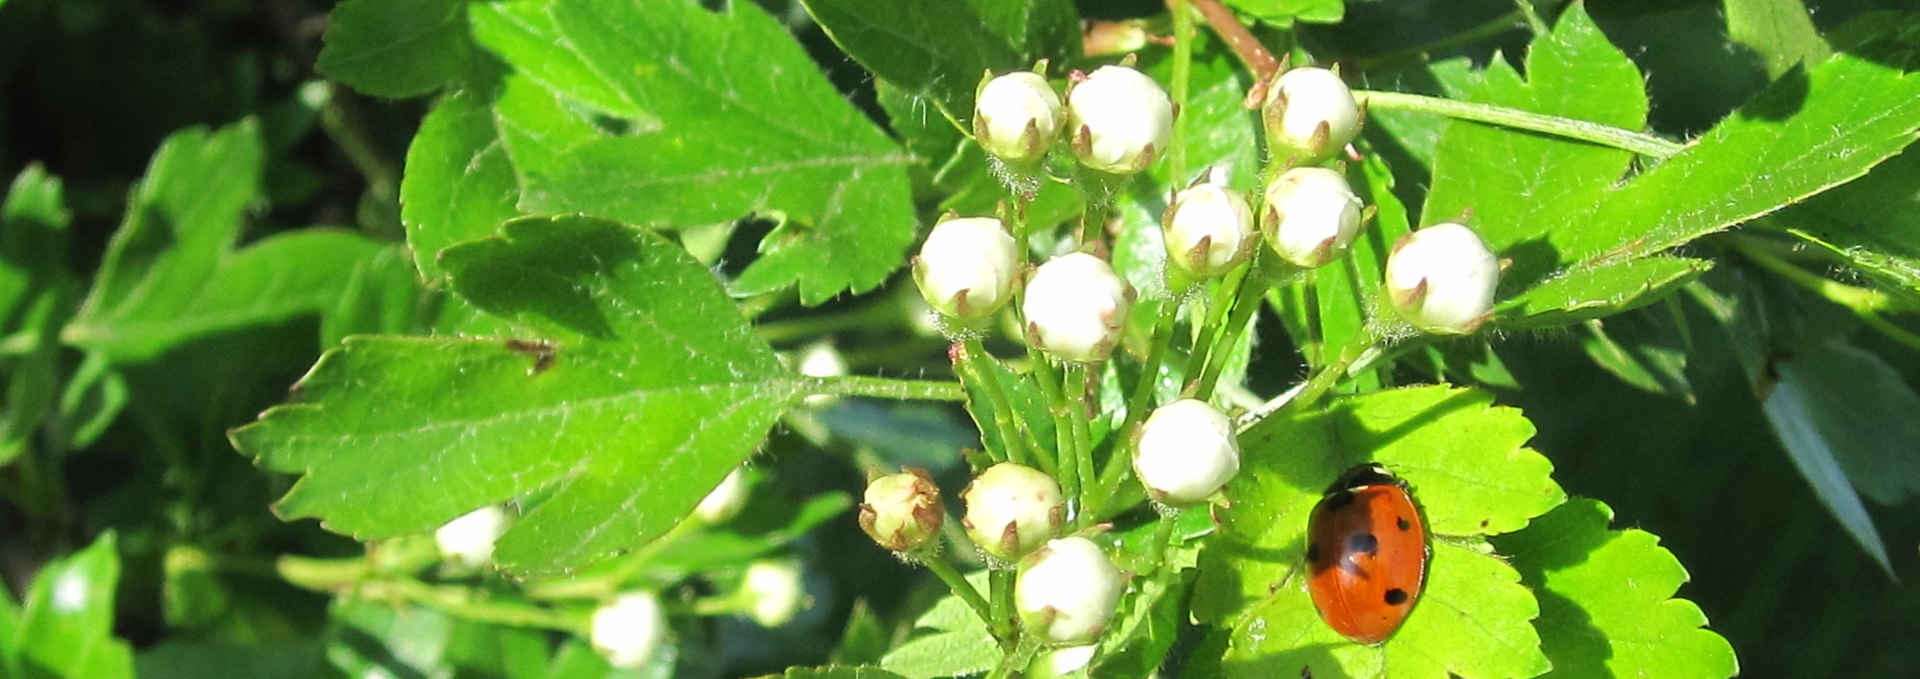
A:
1117,120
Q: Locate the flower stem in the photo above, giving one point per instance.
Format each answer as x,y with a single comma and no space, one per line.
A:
886,387
1182,75
1000,587
963,589
1068,471
1534,22
1239,38
1076,388
1246,303
973,367
1604,135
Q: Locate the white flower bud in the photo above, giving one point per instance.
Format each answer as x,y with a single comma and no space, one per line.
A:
1066,592
1076,307
1016,116
773,592
1120,120
725,500
1061,662
1310,114
902,511
820,359
1311,216
1186,452
1442,279
1209,230
468,540
965,269
1012,509
628,631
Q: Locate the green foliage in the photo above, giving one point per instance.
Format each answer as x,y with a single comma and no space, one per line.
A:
64,627
920,45
396,49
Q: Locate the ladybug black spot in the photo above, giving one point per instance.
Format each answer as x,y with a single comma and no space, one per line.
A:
1396,596
1363,543
1402,524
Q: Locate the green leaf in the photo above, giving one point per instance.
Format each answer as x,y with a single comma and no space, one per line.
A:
1347,291
936,49
747,125
836,673
1287,11
1589,292
177,659
459,184
645,388
1647,349
1606,606
524,34
395,48
1871,223
288,275
1780,30
959,643
1463,457
33,244
1515,186
742,540
1846,420
372,638
1037,29
66,619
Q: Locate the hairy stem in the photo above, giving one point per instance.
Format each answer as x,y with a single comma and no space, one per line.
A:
1594,133
887,387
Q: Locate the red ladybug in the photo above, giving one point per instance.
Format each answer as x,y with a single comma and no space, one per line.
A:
1366,554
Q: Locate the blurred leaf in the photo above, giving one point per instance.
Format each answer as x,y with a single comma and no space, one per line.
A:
65,626
381,295
1647,348
290,274
1871,223
646,388
1589,292
958,644
459,184
1037,29
938,49
33,244
1463,457
1288,11
197,660
1846,420
395,48
836,673
1781,31
372,639
734,544
866,638
1606,599
747,126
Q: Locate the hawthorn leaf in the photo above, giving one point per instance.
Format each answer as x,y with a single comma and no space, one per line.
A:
33,244
959,643
835,673
1606,599
1464,459
1037,29
1646,348
1871,223
395,48
1288,11
1781,31
1602,289
65,622
524,34
634,386
459,184
938,49
746,125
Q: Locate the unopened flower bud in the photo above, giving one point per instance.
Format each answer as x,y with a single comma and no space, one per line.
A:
468,540
1062,661
1310,114
628,631
1076,307
773,590
1067,591
725,500
1012,509
902,511
1209,230
1016,116
1311,216
1119,120
1186,452
1442,279
965,269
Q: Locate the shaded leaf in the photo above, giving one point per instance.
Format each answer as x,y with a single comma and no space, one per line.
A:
65,626
1780,30
936,49
836,673
33,244
959,643
1871,223
395,48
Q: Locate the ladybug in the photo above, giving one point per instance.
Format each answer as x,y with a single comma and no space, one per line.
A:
1367,554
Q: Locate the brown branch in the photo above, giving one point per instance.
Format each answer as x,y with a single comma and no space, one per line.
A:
1258,59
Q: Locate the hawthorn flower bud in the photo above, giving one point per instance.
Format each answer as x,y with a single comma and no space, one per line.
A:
725,500
1016,116
628,630
1186,452
773,590
1067,591
468,540
1209,230
1310,114
1076,307
1442,278
902,511
1311,216
1120,120
1012,509
965,269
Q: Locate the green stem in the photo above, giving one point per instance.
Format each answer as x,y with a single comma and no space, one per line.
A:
342,122
1182,74
961,588
1067,471
1209,329
1866,303
974,365
1114,473
1000,588
1246,302
1076,388
1604,135
886,387
1534,22
461,602
1012,663
1333,371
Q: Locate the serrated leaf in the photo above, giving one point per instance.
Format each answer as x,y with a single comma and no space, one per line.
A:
958,645
747,125
1462,455
395,48
1780,30
459,184
1604,289
937,49
65,625
1287,11
644,389
1516,185
1606,599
